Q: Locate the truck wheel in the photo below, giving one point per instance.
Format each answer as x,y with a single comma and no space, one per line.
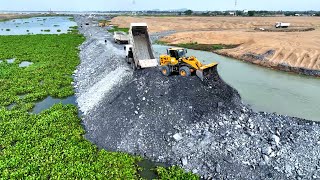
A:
128,60
165,70
133,65
184,71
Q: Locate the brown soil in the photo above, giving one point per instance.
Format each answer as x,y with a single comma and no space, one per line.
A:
295,49
14,16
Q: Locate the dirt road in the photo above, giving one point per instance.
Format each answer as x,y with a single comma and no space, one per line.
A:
299,50
202,127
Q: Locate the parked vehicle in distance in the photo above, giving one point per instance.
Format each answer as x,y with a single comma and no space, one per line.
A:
120,37
282,25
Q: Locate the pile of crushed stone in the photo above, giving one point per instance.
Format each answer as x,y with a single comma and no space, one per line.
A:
201,126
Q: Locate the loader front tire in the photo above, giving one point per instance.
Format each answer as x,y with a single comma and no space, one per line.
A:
165,70
184,71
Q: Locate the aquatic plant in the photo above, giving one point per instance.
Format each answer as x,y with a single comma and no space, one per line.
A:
51,145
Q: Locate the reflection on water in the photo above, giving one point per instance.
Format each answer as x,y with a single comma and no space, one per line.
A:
10,61
49,102
25,64
265,89
149,169
36,25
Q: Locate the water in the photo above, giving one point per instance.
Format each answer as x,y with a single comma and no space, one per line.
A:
149,169
265,89
36,25
25,64
50,101
10,61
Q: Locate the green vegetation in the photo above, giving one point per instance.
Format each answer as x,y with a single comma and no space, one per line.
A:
204,47
160,42
8,29
116,28
59,30
47,30
176,173
73,27
188,12
251,13
71,18
54,60
51,146
28,30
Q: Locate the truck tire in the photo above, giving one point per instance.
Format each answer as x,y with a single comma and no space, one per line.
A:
184,71
133,65
165,70
128,60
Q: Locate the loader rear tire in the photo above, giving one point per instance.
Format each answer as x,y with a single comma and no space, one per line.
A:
165,70
184,71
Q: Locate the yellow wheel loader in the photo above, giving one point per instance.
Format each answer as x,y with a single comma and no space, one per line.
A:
176,61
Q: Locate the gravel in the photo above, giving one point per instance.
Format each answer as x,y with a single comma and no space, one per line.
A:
202,127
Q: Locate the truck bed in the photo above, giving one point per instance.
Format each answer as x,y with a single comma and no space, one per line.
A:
142,47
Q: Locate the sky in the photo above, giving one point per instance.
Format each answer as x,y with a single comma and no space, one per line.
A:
107,5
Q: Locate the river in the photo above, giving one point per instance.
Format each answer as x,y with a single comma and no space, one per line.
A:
266,89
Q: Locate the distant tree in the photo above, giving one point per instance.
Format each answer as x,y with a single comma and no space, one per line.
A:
239,13
188,12
251,13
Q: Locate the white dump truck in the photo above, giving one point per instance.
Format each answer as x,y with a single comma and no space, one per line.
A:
139,52
282,25
120,37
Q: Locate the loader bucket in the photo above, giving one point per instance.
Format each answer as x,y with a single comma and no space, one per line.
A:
207,71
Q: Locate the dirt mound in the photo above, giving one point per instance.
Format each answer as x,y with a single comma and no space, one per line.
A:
293,29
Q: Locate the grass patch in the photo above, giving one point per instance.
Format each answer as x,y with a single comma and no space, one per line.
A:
160,42
205,47
116,28
175,172
74,27
71,18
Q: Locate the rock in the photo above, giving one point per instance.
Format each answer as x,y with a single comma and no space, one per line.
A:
178,137
267,151
276,139
218,168
184,161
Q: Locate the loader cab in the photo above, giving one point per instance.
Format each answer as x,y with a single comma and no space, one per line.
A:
177,52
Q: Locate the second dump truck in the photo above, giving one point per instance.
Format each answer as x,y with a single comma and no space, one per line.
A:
139,52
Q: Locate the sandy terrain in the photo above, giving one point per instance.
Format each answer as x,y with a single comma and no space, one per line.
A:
295,49
12,16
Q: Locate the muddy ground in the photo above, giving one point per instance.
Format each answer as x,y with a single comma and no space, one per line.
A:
202,127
